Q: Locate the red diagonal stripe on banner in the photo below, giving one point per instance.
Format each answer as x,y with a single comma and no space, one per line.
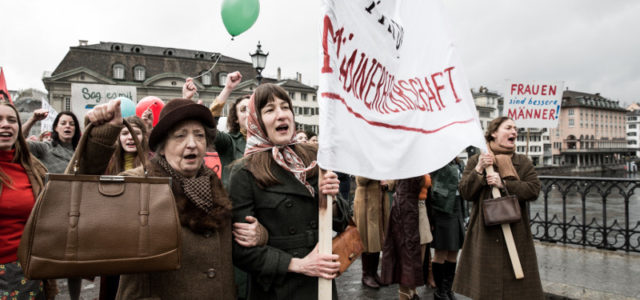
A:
385,125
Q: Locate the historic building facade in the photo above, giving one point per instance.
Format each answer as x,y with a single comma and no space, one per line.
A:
141,70
591,131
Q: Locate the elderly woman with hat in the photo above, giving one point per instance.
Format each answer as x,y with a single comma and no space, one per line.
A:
179,140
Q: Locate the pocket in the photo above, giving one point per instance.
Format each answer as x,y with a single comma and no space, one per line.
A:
269,200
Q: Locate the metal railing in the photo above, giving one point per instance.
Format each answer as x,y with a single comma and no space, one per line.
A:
588,211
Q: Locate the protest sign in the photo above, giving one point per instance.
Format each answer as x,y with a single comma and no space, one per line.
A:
47,123
394,98
533,104
85,96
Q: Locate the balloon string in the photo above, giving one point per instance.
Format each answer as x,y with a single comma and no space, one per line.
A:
217,59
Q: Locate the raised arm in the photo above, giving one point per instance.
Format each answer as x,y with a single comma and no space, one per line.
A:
38,115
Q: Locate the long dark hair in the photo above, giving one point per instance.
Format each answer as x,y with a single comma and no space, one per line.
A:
22,156
55,139
116,164
232,119
261,164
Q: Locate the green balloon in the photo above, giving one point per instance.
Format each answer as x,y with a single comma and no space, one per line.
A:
239,15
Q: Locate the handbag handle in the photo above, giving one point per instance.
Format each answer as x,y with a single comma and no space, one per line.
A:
82,144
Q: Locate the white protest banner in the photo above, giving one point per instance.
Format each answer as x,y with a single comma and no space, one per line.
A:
394,98
85,96
533,104
47,124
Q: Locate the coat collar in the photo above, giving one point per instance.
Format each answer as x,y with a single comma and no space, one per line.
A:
290,184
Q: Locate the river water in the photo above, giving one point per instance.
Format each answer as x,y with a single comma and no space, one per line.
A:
614,203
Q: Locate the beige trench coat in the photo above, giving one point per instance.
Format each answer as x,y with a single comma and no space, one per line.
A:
371,208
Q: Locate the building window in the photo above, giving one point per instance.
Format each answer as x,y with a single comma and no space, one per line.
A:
314,98
571,111
485,114
317,110
306,111
139,73
206,78
292,95
222,78
67,103
118,71
570,122
631,134
303,96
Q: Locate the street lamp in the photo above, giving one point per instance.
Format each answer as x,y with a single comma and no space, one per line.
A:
259,60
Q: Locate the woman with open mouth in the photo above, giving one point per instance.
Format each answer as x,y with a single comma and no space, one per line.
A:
55,155
484,268
124,158
277,182
21,180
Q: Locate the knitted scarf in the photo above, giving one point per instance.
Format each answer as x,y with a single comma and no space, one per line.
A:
503,160
258,141
197,189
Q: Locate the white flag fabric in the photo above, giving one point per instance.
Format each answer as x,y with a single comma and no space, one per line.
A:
46,124
394,98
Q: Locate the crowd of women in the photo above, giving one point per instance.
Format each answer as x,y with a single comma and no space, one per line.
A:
253,233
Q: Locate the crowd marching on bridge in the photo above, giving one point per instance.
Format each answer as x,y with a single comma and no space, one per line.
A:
252,232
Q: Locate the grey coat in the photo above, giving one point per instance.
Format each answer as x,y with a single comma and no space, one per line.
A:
55,158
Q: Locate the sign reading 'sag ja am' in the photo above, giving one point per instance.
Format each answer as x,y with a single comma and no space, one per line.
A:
533,104
85,96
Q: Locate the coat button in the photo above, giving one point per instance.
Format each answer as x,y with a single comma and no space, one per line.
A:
289,204
207,234
211,273
292,230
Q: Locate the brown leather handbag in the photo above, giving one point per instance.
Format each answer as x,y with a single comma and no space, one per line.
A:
88,225
348,245
502,210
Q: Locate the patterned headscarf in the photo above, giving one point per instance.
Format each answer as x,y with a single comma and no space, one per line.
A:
258,141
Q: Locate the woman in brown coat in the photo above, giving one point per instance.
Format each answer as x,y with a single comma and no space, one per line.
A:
402,253
179,140
485,270
371,214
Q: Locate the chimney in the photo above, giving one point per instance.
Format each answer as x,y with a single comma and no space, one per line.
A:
299,76
279,73
82,43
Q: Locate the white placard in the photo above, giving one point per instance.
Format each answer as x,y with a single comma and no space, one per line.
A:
85,96
533,104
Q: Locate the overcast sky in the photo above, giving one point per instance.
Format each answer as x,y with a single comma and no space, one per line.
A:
591,45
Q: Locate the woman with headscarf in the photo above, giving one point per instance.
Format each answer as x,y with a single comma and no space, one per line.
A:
21,181
179,140
484,269
277,182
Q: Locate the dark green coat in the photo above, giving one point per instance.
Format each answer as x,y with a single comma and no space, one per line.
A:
290,214
230,146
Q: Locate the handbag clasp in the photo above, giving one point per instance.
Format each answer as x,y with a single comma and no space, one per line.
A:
112,178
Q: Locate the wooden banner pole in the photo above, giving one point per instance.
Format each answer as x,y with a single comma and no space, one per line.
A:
508,236
325,229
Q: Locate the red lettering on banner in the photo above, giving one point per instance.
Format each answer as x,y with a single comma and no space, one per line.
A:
531,113
438,87
536,89
372,83
453,89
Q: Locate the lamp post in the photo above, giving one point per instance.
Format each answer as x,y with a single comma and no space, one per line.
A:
259,60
